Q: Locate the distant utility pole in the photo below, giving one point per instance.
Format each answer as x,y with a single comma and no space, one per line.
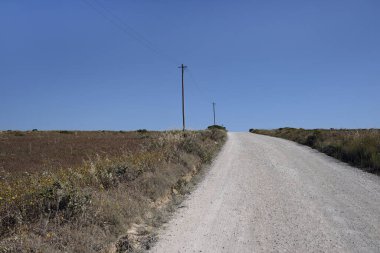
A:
183,67
213,108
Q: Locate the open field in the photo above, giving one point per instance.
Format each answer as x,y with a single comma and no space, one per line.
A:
110,197
358,147
35,151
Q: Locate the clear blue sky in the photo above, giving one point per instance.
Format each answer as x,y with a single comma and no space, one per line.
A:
112,64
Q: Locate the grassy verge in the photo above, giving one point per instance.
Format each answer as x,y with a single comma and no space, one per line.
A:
106,204
358,147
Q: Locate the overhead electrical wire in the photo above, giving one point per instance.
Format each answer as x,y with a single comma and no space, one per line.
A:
201,91
127,29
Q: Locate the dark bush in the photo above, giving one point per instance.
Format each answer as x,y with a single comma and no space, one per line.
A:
332,150
310,141
217,127
252,130
65,132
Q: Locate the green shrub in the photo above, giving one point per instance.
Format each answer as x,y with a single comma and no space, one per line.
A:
65,132
252,130
216,127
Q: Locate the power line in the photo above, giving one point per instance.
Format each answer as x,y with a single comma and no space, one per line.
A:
202,92
127,29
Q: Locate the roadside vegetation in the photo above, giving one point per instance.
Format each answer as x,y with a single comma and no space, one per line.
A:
112,201
358,147
216,127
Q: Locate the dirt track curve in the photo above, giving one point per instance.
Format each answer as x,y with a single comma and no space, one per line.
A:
264,194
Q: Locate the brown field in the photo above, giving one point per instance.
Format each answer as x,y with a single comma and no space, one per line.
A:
35,151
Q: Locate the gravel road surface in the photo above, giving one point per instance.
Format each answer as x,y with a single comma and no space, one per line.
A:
264,194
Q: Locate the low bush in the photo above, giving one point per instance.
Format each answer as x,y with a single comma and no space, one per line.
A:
65,132
216,127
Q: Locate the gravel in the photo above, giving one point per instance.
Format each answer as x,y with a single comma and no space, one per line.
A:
264,194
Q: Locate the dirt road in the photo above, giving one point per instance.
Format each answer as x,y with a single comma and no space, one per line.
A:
265,194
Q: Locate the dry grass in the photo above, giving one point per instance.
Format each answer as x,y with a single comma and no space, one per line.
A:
108,203
359,147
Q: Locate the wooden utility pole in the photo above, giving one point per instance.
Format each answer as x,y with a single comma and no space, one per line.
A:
213,108
183,97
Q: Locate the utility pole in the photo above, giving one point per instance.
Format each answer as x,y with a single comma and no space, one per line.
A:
213,107
183,97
